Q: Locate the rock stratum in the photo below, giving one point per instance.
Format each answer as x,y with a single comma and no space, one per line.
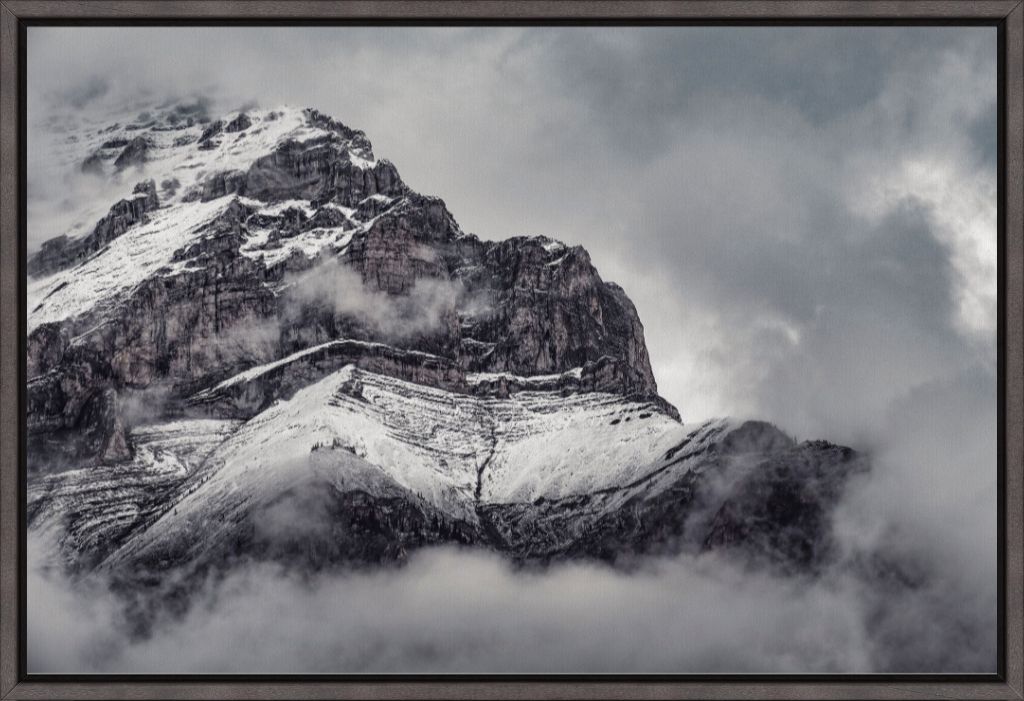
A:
271,348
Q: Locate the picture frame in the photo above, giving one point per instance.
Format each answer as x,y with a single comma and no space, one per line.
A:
1008,15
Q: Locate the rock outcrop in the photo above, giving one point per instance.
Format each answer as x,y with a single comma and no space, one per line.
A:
62,252
239,123
134,154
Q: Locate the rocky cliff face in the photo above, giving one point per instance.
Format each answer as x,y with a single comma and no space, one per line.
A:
523,306
419,385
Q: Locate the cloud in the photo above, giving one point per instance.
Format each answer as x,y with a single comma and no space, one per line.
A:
78,96
490,618
466,611
427,308
250,341
927,511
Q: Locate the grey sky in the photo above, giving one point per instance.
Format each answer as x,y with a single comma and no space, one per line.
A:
804,217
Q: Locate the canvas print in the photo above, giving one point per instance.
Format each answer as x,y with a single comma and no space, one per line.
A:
511,350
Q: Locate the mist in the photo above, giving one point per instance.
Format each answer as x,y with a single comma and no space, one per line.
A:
426,308
461,611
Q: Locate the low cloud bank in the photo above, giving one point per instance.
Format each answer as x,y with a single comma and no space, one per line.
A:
464,611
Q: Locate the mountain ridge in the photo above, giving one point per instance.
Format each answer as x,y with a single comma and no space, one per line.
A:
283,327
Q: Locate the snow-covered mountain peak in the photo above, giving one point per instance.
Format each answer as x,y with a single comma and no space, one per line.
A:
183,150
262,317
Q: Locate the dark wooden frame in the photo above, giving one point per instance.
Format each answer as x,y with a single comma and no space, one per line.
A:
1008,14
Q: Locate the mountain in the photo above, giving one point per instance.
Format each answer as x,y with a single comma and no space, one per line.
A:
272,348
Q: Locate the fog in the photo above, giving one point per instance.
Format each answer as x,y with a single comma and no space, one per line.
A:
805,219
460,611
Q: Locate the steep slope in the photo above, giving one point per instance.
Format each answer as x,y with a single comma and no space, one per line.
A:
538,475
273,348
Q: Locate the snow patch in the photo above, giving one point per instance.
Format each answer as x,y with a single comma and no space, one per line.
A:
478,378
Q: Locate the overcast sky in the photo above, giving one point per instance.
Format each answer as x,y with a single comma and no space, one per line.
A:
804,217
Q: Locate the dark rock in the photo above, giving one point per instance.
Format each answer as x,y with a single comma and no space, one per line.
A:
116,142
356,138
775,511
170,186
73,417
320,169
134,154
550,311
229,182
210,132
328,218
239,123
46,346
783,507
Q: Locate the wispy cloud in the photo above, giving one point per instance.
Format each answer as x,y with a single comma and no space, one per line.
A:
428,307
